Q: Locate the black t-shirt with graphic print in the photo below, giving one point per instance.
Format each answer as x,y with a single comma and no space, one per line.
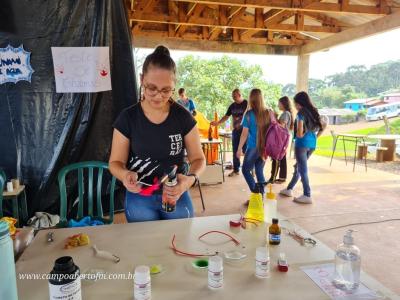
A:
155,148
237,111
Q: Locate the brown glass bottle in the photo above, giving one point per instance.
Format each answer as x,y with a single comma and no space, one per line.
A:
274,233
210,138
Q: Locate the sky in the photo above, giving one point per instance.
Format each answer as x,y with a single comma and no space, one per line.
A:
282,69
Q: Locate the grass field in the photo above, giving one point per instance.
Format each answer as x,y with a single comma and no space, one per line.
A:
325,143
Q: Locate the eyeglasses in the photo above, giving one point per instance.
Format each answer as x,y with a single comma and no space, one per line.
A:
152,91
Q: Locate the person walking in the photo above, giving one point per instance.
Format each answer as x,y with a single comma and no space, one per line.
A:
255,125
308,127
236,110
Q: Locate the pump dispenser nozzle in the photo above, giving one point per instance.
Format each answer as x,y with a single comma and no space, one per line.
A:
348,238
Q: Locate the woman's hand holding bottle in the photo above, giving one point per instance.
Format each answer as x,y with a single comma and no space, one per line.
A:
171,194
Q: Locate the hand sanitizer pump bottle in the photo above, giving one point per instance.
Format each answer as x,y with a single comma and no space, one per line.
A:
347,264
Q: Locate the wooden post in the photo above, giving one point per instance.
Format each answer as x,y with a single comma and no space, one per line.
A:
362,151
303,63
379,155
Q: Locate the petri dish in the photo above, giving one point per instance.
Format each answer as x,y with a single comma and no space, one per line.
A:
235,255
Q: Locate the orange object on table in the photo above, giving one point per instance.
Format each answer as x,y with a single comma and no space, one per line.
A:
203,126
11,223
80,239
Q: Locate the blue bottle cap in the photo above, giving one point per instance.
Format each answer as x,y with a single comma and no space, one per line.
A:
4,229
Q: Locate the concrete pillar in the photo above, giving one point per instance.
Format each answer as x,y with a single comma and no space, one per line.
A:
303,64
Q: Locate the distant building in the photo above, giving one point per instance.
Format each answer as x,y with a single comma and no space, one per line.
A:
356,104
392,97
338,115
361,104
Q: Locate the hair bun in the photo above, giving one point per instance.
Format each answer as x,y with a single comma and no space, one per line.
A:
162,50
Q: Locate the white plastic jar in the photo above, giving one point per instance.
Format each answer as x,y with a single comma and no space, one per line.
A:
142,283
215,272
262,262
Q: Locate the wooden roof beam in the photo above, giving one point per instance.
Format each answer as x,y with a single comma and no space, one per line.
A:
140,7
258,22
362,31
299,21
226,21
192,15
233,23
199,36
325,20
299,6
213,46
173,13
222,15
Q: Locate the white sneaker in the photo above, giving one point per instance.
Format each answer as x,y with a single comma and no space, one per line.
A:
286,192
303,199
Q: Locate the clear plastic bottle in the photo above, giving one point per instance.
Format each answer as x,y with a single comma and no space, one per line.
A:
271,206
142,283
262,262
215,272
347,264
8,283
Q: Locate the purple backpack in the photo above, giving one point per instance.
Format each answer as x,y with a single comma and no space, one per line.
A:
277,139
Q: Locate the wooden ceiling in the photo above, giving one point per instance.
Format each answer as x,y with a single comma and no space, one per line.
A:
251,26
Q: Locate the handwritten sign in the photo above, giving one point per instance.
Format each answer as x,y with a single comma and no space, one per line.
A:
322,275
81,69
15,64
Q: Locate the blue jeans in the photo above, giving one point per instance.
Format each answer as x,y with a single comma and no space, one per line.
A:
252,160
301,170
149,208
235,146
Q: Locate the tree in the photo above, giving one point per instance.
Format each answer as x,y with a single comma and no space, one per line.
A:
371,82
289,90
330,97
314,85
210,82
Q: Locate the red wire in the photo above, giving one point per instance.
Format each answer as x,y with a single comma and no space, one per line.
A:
221,232
183,253
179,252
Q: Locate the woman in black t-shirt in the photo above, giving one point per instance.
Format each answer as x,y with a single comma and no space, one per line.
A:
149,138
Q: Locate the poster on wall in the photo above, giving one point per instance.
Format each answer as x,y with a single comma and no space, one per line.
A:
15,64
81,69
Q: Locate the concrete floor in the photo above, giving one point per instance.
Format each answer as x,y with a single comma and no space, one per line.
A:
341,197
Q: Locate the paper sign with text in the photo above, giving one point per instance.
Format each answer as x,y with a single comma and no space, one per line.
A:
15,64
81,69
322,275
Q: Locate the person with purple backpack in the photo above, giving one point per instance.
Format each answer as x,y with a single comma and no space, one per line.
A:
307,128
286,120
255,125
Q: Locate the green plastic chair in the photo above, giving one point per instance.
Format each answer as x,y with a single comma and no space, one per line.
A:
91,166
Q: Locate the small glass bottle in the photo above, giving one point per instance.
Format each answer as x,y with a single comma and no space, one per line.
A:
210,137
142,283
215,272
262,262
65,280
274,233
